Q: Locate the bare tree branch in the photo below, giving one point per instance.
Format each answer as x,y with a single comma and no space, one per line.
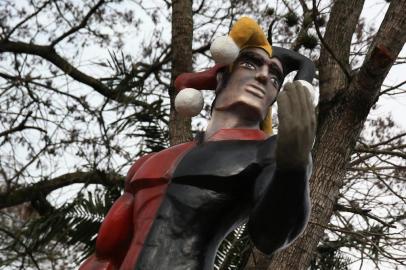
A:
79,26
43,188
392,88
380,152
382,54
362,212
27,250
49,53
26,19
304,6
21,127
344,67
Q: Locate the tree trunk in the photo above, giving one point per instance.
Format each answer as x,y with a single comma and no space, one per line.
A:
342,118
257,261
182,31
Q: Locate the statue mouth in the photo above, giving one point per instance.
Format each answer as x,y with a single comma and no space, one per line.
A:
256,90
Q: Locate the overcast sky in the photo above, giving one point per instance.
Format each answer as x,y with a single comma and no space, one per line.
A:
373,12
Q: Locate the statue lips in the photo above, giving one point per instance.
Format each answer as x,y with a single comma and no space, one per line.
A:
256,90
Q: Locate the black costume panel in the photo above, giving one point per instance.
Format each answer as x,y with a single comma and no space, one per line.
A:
215,187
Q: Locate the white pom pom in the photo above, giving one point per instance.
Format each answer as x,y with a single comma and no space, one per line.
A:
189,102
313,92
224,50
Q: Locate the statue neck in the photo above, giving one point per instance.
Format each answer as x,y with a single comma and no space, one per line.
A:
229,119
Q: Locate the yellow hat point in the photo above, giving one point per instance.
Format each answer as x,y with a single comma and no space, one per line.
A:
245,33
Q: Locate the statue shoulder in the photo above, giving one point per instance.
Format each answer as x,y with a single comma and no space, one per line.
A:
156,167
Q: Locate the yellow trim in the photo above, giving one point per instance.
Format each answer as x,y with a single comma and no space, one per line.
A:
266,124
246,33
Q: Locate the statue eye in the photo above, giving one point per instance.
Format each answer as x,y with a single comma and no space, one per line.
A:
247,64
275,82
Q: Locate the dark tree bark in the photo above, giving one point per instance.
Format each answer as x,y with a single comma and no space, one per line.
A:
19,195
182,31
342,114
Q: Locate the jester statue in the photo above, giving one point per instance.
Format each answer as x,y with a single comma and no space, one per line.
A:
180,203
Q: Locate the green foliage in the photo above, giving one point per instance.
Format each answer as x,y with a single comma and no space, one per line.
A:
307,20
234,251
291,19
270,11
71,229
74,223
309,41
329,257
320,21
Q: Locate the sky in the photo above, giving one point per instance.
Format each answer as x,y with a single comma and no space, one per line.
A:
373,13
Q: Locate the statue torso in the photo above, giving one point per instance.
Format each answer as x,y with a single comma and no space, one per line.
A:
210,193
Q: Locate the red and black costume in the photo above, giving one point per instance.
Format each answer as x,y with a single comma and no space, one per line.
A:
181,202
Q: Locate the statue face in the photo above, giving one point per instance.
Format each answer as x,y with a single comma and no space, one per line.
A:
252,86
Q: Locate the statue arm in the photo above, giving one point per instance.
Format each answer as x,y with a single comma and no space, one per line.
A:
282,209
281,195
116,231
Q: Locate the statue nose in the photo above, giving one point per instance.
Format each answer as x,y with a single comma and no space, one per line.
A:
262,74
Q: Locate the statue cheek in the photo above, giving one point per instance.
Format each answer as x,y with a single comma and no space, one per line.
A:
242,80
271,94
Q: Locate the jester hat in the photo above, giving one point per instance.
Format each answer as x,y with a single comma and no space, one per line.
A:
245,33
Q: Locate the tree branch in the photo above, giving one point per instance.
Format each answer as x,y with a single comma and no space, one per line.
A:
43,188
79,26
336,44
392,88
152,69
27,19
302,32
30,80
48,53
372,153
362,212
19,127
304,6
376,152
385,48
325,44
26,248
403,134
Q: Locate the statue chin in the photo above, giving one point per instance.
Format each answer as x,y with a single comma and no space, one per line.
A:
245,109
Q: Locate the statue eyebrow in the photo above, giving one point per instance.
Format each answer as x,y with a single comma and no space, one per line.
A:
250,56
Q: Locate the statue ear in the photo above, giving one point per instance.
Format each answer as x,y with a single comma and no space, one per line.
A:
222,79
